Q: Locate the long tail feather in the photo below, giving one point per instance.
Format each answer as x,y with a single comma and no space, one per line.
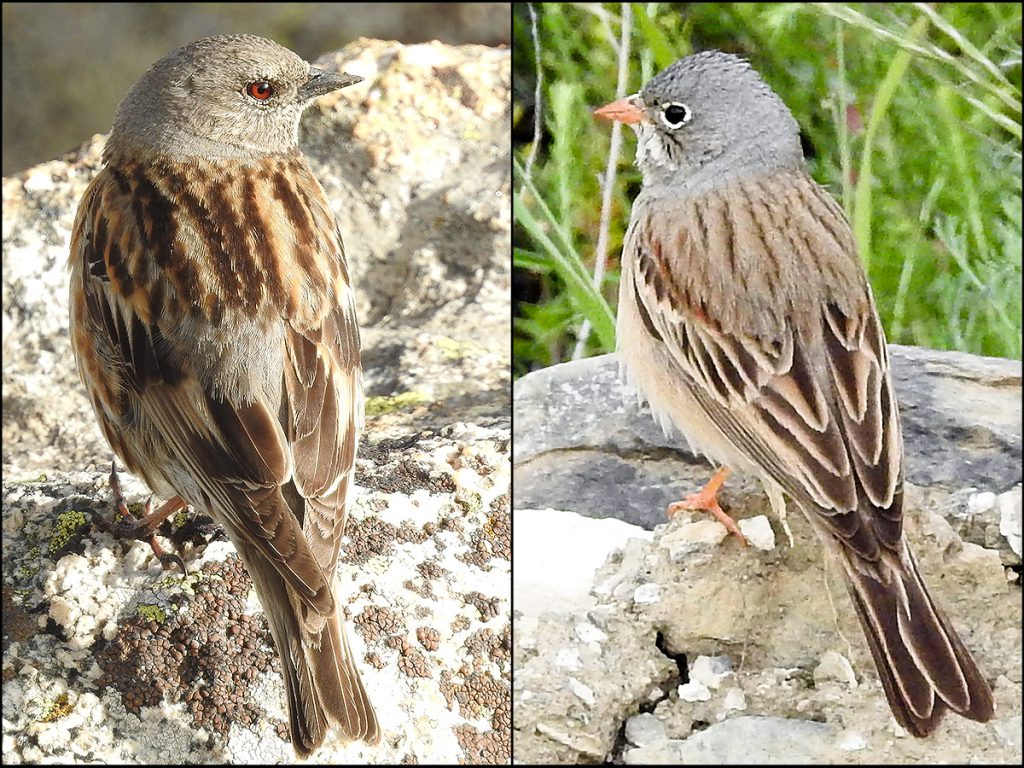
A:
923,665
323,687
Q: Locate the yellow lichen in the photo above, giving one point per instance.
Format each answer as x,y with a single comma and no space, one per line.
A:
455,350
376,406
61,707
66,526
151,613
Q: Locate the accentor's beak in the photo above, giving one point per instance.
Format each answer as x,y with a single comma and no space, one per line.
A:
321,82
627,110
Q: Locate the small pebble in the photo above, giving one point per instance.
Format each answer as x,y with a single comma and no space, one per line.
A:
581,691
588,633
759,533
735,699
1009,504
835,666
710,670
694,692
645,730
851,741
981,502
647,593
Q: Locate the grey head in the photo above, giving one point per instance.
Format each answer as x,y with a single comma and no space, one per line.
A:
227,96
708,118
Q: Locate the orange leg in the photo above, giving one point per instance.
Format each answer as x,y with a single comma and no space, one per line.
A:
145,528
706,499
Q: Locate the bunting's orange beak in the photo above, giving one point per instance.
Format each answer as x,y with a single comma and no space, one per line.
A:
625,110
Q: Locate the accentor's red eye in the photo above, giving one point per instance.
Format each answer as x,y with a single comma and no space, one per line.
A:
260,90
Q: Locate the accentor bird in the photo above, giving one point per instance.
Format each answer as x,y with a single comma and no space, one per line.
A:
746,320
214,327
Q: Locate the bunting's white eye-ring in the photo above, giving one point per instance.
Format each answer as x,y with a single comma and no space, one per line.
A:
675,115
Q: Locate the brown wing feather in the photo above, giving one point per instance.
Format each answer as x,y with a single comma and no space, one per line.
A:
324,403
814,408
324,390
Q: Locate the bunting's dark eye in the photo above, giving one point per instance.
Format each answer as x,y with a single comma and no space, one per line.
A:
675,115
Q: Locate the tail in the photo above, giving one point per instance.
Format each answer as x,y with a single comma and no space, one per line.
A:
924,667
322,684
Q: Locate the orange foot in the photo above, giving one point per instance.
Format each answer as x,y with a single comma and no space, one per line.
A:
705,499
144,529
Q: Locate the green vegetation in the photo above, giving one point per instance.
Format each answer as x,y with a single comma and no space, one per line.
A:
911,116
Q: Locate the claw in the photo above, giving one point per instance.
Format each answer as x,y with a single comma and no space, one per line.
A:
706,500
144,529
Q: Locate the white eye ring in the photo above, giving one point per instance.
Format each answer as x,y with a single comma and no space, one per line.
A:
675,115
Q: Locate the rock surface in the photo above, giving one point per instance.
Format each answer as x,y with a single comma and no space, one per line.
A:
550,541
754,655
98,658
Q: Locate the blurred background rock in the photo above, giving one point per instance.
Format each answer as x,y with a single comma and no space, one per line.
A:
67,65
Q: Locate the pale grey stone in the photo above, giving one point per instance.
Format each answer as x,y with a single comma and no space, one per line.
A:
758,741
1009,505
694,691
710,671
645,730
835,666
758,532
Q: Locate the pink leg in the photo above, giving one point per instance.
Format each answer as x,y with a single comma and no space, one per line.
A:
706,500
